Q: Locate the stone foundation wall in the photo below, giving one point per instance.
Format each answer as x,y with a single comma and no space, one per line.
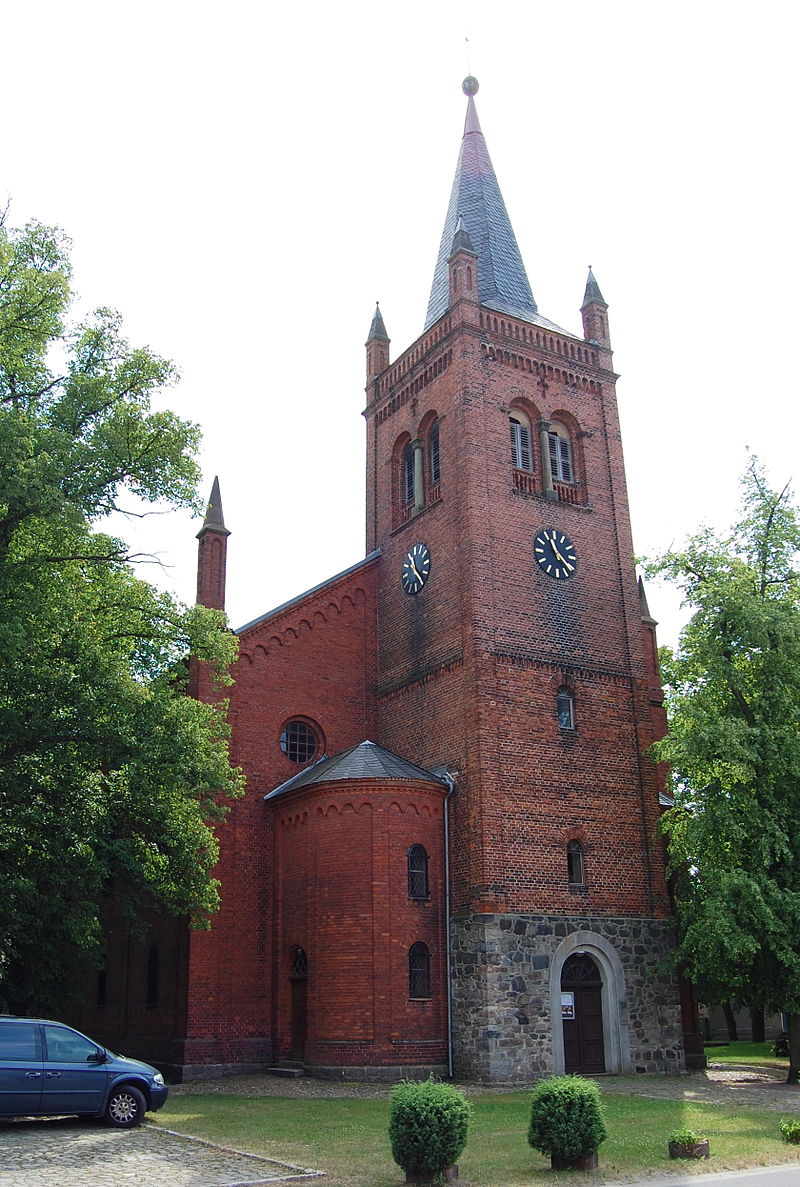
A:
506,970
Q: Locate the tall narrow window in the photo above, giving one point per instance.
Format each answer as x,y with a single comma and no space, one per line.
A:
407,489
575,874
565,708
419,971
152,976
433,455
521,453
417,872
560,455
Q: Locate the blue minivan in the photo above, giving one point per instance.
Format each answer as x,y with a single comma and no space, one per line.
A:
47,1069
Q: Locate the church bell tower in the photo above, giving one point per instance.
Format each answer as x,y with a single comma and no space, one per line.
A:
511,653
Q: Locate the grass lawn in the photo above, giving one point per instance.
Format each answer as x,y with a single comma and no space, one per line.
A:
348,1138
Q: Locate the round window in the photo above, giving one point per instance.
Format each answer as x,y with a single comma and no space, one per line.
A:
298,741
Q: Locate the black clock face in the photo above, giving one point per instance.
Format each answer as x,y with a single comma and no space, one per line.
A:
416,567
555,553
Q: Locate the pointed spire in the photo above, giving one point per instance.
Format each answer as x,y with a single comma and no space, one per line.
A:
214,521
592,292
377,330
502,280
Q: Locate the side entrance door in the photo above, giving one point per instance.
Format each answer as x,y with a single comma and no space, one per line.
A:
582,1016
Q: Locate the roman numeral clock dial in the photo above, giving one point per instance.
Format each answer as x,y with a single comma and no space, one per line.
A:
555,553
416,567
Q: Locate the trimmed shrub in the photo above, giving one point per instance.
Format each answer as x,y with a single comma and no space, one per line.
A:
566,1118
428,1125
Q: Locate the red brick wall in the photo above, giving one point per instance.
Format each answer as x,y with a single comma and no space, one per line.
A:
342,896
312,660
469,668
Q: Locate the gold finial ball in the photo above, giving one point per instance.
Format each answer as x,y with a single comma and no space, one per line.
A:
470,85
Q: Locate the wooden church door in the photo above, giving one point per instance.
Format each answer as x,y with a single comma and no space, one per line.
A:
582,1015
298,979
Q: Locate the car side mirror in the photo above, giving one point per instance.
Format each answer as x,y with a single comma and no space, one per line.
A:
100,1056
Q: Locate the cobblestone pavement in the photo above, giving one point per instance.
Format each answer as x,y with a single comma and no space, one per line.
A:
83,1153
77,1152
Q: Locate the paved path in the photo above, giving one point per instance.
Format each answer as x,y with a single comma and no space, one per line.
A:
83,1153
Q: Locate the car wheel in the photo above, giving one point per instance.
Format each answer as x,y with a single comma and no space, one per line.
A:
126,1107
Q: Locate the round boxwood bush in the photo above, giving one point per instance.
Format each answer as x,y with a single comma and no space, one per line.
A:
428,1125
566,1118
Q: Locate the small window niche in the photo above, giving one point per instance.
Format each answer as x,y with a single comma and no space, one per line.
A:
565,708
417,862
419,972
576,873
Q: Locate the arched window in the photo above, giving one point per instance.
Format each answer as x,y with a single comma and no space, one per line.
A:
419,971
298,741
152,976
565,708
299,969
407,486
434,465
560,453
575,872
521,452
417,872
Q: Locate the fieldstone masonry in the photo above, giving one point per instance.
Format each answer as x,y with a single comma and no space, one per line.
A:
504,986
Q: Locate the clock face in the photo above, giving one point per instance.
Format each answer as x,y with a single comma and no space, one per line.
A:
416,567
555,553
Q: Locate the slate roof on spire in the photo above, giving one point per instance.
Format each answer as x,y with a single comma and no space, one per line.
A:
592,290
502,281
378,330
214,521
365,761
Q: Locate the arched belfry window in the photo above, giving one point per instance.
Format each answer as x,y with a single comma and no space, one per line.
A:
407,489
521,449
575,870
419,971
560,453
434,463
417,859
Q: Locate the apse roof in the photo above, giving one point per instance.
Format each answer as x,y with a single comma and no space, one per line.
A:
476,199
364,761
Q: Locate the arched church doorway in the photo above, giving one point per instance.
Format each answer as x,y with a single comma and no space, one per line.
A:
582,1015
298,981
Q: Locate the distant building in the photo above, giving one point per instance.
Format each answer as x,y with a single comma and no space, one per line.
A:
447,854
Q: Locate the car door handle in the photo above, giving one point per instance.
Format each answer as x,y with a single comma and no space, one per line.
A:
32,1075
51,1075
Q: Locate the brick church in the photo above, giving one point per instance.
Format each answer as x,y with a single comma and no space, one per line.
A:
446,859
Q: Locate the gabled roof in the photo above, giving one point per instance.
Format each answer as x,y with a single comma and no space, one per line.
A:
371,556
476,199
364,761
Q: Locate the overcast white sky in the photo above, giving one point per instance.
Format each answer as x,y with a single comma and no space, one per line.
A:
243,181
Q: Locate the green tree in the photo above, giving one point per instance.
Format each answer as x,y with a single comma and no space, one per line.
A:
733,697
110,774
